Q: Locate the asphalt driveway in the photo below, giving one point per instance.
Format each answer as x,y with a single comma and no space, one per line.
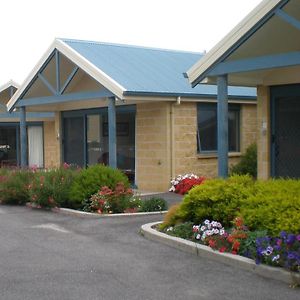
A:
52,256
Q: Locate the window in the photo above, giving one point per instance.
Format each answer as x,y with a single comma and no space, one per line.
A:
207,127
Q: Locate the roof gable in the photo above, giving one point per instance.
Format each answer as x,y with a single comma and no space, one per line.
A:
244,31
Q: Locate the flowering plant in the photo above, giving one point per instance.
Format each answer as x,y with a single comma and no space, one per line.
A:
183,183
214,235
281,251
117,200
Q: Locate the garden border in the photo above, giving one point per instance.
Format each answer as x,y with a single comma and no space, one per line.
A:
206,252
83,214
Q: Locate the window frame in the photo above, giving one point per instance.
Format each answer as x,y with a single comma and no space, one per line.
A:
236,108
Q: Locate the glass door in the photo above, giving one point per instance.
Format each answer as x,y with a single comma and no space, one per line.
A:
74,140
35,146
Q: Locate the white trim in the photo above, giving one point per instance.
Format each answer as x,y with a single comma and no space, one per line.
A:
230,39
80,61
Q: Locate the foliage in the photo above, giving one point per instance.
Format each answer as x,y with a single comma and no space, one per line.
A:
183,183
216,199
50,188
153,204
14,186
90,180
248,163
117,200
273,207
184,231
215,236
281,251
171,217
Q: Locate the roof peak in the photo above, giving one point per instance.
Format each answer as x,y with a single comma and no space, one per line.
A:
128,46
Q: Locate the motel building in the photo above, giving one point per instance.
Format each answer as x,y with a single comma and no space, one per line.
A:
125,106
262,51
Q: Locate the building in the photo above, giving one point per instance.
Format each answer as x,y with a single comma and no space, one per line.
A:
262,51
10,132
132,108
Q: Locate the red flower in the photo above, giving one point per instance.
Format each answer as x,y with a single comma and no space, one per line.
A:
222,249
212,243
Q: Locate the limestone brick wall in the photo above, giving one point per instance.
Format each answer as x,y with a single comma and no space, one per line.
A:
152,144
52,143
263,134
166,143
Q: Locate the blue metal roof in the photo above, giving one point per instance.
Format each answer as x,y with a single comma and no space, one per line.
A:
142,70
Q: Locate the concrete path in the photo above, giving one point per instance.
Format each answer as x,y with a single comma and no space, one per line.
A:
51,256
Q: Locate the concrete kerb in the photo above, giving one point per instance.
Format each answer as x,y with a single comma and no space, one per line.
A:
82,214
150,233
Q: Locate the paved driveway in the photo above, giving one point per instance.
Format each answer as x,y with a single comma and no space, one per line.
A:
52,256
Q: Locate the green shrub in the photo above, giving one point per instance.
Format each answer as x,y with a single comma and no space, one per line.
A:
216,199
52,188
171,217
248,163
153,204
184,231
92,179
14,186
274,207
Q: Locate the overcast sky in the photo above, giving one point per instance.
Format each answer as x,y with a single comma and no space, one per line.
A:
28,27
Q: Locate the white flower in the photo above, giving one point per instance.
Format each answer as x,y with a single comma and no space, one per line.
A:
276,258
203,228
209,233
214,224
170,229
206,222
222,231
198,236
219,225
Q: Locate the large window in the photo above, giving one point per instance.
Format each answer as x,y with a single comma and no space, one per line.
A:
207,127
85,139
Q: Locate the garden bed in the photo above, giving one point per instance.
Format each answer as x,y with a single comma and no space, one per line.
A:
149,231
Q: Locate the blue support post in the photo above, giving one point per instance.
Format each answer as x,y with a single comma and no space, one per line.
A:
112,132
222,83
23,137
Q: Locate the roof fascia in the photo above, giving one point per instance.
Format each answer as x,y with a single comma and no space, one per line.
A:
9,84
242,32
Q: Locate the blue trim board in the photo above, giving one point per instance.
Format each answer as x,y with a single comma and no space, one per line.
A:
257,63
287,18
187,95
222,120
112,132
57,71
29,115
69,79
242,40
23,137
46,83
65,98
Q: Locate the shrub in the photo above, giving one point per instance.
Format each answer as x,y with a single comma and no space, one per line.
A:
273,207
184,231
248,163
118,200
171,217
51,188
14,186
153,204
216,199
90,180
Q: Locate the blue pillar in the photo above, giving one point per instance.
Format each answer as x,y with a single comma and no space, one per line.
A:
23,137
112,134
222,83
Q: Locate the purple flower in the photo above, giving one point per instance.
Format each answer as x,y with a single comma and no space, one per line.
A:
291,239
298,237
283,234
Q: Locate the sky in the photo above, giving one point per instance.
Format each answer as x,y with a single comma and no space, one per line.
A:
29,27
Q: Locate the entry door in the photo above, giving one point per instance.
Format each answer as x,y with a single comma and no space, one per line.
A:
35,146
286,137
74,141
